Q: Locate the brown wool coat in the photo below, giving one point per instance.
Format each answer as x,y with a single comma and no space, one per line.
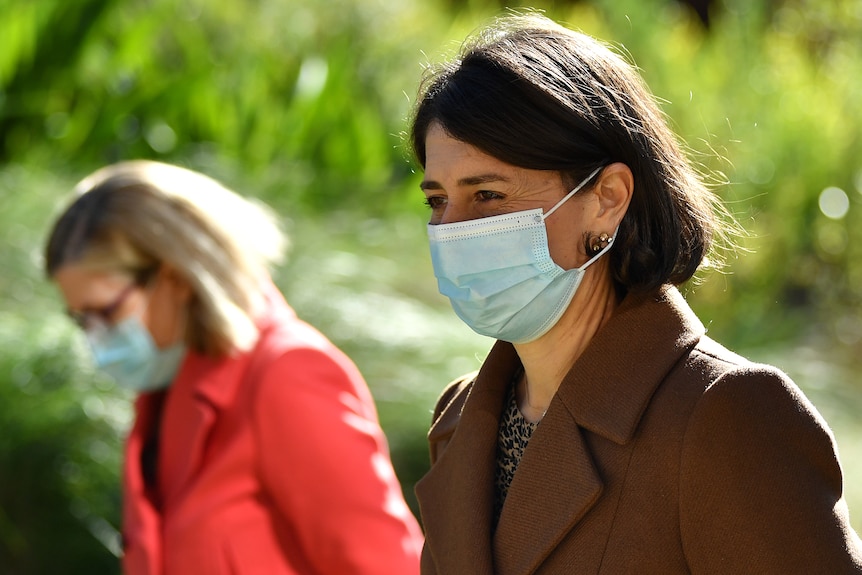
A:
661,453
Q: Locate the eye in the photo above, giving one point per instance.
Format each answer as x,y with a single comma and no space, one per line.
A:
435,202
488,196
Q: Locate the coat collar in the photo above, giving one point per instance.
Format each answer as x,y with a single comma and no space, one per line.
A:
611,384
606,392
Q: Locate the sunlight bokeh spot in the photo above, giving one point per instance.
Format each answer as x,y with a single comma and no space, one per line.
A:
161,138
312,78
834,203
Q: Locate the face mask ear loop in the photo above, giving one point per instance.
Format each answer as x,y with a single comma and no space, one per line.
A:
573,192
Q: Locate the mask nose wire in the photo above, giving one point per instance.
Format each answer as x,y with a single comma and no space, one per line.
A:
572,193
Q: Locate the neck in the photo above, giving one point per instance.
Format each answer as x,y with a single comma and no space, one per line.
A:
548,359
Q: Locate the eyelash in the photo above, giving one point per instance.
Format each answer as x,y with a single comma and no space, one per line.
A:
488,195
434,202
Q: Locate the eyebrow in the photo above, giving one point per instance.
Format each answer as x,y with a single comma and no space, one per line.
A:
468,181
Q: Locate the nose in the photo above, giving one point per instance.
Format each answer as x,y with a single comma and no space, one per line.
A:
456,212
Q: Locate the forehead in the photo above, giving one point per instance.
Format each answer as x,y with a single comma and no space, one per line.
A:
446,157
451,163
83,287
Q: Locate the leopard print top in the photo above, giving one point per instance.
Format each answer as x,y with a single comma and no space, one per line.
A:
512,438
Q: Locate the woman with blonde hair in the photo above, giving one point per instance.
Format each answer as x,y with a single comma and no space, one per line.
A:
256,446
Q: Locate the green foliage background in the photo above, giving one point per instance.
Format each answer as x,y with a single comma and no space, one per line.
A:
301,103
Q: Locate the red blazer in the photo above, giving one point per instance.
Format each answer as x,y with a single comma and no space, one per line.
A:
271,462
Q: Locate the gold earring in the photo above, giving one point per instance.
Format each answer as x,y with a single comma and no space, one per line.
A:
598,243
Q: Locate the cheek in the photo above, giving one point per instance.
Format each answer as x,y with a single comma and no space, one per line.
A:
165,322
155,324
566,243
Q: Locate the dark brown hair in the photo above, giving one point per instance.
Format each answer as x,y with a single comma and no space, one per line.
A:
539,96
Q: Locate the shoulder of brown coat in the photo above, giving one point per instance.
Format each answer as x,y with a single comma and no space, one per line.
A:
454,395
447,414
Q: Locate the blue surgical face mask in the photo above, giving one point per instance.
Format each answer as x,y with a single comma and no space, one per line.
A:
127,352
499,276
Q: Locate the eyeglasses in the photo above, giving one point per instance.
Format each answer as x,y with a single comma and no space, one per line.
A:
101,317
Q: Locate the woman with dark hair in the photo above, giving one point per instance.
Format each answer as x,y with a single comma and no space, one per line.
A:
604,432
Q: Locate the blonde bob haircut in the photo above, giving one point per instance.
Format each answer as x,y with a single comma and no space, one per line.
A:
134,217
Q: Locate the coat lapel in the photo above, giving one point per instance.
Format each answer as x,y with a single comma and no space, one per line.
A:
550,493
606,392
456,497
557,483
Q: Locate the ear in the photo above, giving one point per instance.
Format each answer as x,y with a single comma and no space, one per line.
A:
613,190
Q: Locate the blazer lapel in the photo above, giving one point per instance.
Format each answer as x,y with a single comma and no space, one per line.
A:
456,497
204,387
142,529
